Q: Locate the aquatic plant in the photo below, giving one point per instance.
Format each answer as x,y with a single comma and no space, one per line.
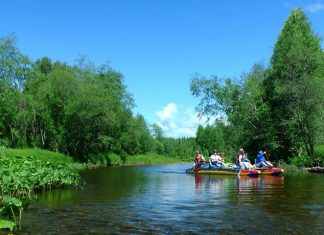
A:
20,177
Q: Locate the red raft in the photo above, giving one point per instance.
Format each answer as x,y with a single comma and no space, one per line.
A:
223,171
270,171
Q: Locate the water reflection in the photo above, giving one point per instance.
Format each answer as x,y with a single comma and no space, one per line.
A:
241,190
55,197
164,200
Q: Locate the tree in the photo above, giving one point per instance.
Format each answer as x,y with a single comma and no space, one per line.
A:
295,86
246,121
14,66
137,138
14,116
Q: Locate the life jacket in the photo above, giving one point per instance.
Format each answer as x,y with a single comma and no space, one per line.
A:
245,158
199,158
260,158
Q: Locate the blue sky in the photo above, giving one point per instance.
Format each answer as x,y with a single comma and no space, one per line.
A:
157,45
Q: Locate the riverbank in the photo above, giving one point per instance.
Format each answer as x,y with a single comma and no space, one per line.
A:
316,169
25,171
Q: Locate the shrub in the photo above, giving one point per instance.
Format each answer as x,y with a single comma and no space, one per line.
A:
107,159
300,161
292,169
319,150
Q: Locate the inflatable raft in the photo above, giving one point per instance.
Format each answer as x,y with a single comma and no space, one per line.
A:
270,171
222,171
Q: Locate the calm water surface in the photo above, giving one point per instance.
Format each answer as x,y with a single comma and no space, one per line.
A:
162,199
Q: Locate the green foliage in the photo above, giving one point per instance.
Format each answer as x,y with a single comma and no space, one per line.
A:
247,122
106,159
20,176
319,151
300,161
79,110
319,155
295,86
149,159
279,108
137,139
211,138
292,170
6,224
14,66
40,154
83,111
181,148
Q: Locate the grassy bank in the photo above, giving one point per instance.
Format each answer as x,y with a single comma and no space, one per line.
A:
24,171
149,159
104,159
53,157
111,159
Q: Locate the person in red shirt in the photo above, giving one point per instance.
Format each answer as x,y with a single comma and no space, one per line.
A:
199,158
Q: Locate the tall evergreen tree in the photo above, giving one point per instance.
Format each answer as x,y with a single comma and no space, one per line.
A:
295,86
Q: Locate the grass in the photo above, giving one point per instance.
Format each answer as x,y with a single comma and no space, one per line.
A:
40,154
25,171
292,169
149,159
103,159
319,151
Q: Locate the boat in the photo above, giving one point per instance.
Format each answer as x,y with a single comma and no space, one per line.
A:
205,169
270,171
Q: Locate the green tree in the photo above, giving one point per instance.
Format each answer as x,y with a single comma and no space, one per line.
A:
137,138
14,117
241,104
50,89
158,136
98,113
14,66
295,86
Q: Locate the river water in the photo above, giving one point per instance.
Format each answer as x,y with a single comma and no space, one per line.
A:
162,199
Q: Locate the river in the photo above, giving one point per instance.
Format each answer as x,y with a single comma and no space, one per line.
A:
162,199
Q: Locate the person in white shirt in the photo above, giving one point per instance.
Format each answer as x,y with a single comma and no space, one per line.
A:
215,159
244,161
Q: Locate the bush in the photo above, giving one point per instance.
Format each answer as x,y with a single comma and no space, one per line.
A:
292,169
319,151
319,154
150,159
39,154
107,159
300,161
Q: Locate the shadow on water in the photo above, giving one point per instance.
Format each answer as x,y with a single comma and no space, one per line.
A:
164,200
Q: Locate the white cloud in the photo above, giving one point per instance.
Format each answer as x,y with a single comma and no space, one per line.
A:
179,124
168,112
314,7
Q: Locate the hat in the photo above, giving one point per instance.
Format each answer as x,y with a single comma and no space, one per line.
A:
197,152
260,152
215,151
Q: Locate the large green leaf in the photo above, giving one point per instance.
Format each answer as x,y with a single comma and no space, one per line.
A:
6,224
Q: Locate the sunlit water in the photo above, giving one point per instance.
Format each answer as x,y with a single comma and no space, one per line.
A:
162,199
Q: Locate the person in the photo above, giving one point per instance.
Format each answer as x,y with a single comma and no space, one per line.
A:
216,160
222,155
199,159
261,160
243,161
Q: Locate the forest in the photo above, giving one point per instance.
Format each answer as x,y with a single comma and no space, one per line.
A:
85,110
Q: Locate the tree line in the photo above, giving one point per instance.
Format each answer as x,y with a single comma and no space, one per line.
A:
80,110
279,107
83,110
